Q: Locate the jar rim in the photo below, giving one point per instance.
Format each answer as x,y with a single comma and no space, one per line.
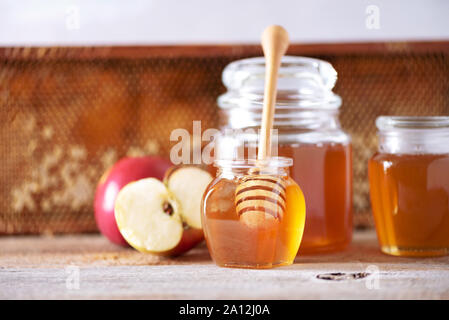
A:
388,123
272,162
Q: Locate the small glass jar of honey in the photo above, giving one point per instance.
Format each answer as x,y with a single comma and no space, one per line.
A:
253,214
308,131
409,185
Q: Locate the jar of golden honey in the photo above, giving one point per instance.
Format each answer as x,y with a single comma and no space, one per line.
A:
308,131
253,214
409,185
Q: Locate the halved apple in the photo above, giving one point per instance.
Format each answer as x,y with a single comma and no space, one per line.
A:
188,183
119,175
154,218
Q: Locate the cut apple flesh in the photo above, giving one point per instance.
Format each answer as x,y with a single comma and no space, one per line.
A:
188,183
148,216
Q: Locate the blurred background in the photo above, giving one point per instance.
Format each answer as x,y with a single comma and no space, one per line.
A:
84,83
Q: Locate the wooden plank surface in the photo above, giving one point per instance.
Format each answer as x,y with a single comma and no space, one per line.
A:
88,267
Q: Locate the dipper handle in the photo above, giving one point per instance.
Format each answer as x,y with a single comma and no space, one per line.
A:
275,42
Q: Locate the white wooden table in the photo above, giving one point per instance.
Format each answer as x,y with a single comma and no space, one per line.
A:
88,267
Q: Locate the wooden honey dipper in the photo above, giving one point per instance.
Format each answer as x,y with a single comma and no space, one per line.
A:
261,198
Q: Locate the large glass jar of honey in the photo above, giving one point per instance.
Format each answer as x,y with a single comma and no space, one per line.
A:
308,131
409,185
253,213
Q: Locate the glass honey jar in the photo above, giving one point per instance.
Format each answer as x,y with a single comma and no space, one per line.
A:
409,185
308,131
253,214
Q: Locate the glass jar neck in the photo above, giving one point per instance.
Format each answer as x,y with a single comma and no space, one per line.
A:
285,119
240,167
240,172
413,135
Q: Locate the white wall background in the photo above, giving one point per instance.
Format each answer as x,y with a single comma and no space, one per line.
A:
120,22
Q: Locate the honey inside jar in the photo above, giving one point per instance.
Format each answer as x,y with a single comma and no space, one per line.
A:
318,170
409,186
265,243
410,201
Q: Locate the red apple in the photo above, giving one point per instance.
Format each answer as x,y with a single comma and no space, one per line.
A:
120,174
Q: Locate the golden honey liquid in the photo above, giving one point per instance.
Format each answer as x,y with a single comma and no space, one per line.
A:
410,202
324,174
232,243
